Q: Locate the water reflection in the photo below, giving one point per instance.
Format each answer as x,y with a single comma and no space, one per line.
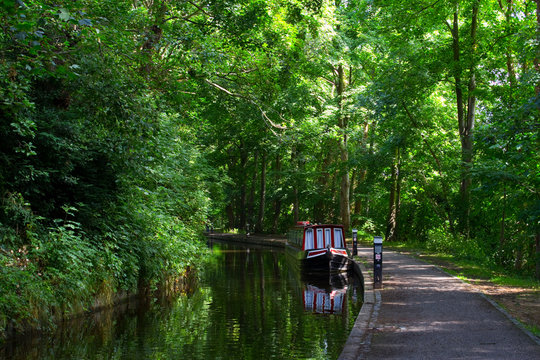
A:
325,294
249,305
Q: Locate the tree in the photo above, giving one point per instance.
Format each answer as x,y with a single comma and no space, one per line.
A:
465,108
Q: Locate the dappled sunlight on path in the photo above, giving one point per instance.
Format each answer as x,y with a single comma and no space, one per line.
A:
426,313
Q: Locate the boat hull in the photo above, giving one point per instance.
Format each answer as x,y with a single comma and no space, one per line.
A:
322,260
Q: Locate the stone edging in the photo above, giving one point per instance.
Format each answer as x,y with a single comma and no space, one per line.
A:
359,339
246,239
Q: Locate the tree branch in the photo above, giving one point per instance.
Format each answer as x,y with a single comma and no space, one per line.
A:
200,8
263,113
427,7
328,81
449,25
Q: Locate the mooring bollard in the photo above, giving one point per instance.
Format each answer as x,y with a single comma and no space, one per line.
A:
377,260
354,242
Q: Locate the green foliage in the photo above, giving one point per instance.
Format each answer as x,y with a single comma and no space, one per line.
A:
127,126
456,245
102,185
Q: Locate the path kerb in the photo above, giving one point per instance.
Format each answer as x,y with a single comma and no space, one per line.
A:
359,338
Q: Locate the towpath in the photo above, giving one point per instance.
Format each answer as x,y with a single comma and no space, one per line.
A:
422,312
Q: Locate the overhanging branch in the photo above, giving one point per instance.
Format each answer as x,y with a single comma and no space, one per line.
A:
237,95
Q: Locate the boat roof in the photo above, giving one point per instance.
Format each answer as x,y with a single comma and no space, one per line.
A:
306,224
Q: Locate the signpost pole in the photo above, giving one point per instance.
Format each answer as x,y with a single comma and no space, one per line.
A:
354,242
377,260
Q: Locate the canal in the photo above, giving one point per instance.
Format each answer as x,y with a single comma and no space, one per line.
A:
249,303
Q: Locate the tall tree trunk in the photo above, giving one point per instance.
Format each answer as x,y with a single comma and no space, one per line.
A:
230,216
503,217
511,69
251,198
354,175
459,101
153,35
465,119
345,207
359,196
358,203
296,206
296,201
468,126
537,88
230,207
509,58
277,201
262,196
243,191
537,58
394,199
358,191
319,209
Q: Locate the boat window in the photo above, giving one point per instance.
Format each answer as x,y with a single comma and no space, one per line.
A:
327,237
338,238
309,240
320,239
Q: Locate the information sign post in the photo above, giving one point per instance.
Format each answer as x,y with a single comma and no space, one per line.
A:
377,260
354,242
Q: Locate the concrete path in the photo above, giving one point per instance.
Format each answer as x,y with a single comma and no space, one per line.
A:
424,313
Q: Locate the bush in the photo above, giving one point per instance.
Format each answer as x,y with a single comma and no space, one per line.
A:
456,245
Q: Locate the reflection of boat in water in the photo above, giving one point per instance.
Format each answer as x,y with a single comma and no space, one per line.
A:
322,302
319,247
325,295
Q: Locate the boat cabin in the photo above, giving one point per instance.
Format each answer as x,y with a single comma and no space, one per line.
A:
308,237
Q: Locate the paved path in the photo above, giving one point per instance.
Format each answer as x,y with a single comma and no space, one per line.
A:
424,313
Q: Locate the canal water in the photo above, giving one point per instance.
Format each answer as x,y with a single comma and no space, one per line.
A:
250,303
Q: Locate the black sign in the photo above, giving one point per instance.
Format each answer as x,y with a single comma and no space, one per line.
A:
377,259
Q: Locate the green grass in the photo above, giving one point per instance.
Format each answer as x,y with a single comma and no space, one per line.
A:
534,329
515,281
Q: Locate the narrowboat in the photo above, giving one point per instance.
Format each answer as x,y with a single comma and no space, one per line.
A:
319,247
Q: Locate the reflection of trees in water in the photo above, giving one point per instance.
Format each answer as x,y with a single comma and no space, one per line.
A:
248,305
274,303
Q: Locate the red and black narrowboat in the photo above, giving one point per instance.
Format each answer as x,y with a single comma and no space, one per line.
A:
319,247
